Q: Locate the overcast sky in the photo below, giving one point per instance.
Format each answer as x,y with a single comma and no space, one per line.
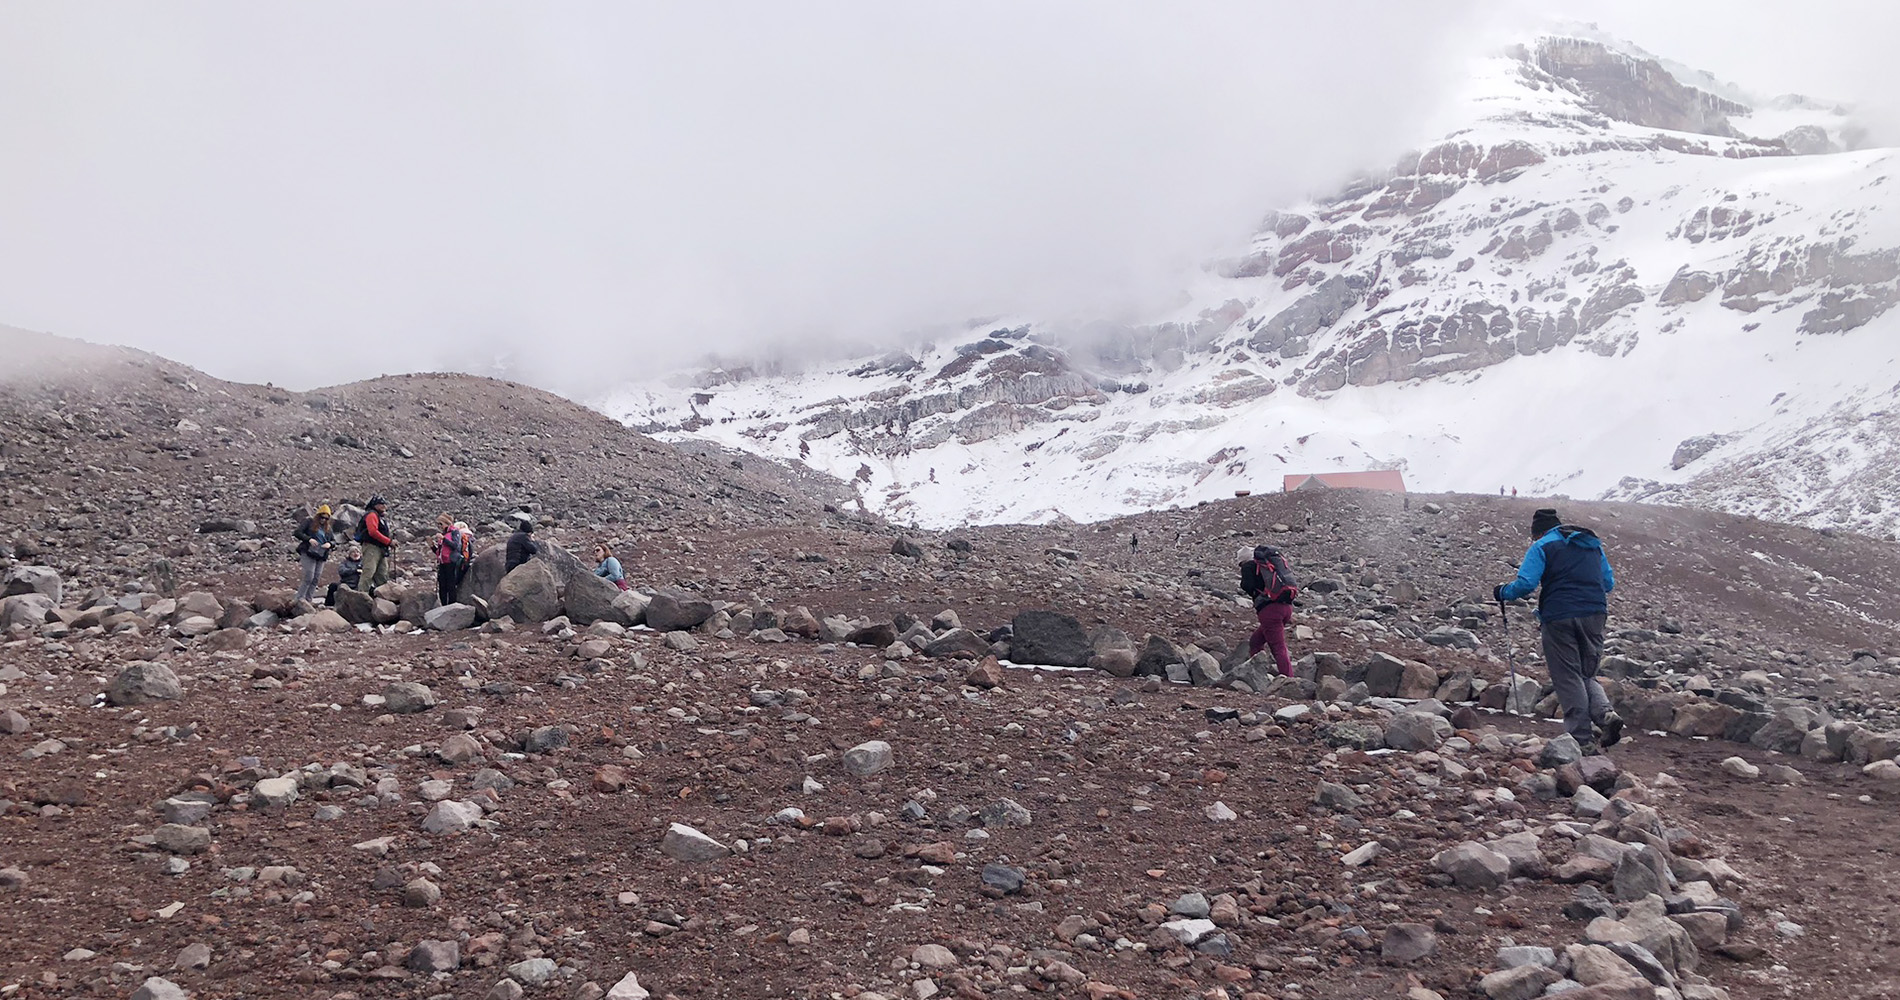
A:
308,193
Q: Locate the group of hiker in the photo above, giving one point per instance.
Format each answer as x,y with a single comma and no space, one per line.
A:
1566,561
367,560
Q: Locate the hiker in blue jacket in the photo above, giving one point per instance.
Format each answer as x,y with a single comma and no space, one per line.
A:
1571,566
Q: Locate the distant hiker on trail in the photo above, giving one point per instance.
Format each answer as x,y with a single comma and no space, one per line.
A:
609,567
1513,492
521,547
1571,566
314,541
372,533
451,557
1264,576
347,575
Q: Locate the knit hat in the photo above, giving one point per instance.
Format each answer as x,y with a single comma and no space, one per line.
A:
323,510
1545,519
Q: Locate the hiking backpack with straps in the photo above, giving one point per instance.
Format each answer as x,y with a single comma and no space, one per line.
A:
1267,578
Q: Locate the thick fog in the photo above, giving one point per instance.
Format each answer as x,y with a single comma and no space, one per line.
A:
580,193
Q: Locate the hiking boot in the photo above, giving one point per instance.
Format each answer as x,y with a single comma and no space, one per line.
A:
1610,730
1589,748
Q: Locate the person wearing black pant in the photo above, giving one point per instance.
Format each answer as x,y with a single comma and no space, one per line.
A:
448,558
1570,565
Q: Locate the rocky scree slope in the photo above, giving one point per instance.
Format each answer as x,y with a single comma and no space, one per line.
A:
1604,282
281,811
118,466
718,812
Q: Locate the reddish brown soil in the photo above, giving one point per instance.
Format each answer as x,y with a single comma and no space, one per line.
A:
549,879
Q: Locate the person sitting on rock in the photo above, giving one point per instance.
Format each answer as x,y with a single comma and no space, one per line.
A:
609,567
349,574
373,533
521,544
1265,576
314,541
1570,565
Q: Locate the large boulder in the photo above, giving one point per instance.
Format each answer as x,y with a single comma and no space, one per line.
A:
529,594
1157,655
485,572
1384,674
449,618
1416,731
674,610
959,643
414,606
1419,681
281,602
1473,866
631,605
355,606
799,621
32,580
26,611
201,604
1647,924
140,683
591,599
1258,672
325,621
1049,639
1112,651
1786,728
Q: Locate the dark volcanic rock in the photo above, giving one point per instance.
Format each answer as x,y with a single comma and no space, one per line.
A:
1048,638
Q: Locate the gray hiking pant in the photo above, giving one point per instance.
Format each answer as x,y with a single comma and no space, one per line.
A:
312,572
1572,648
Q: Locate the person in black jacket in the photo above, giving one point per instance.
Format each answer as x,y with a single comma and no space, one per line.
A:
315,538
1265,576
521,544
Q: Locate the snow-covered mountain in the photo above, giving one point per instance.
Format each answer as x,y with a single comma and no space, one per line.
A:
1609,282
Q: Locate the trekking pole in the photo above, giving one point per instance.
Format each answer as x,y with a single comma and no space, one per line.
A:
1510,657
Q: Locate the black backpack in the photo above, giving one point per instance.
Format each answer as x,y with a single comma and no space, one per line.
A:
1267,578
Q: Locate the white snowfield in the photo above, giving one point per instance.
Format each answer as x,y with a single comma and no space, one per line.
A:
1621,289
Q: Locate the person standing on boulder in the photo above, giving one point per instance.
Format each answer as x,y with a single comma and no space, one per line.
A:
521,544
449,548
466,539
1265,576
314,540
373,534
1570,565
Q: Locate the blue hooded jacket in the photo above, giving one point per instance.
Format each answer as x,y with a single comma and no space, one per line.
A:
1574,571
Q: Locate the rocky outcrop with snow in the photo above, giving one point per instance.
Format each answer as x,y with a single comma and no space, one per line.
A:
1609,282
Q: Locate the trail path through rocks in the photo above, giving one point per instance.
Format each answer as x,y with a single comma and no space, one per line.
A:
1811,850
